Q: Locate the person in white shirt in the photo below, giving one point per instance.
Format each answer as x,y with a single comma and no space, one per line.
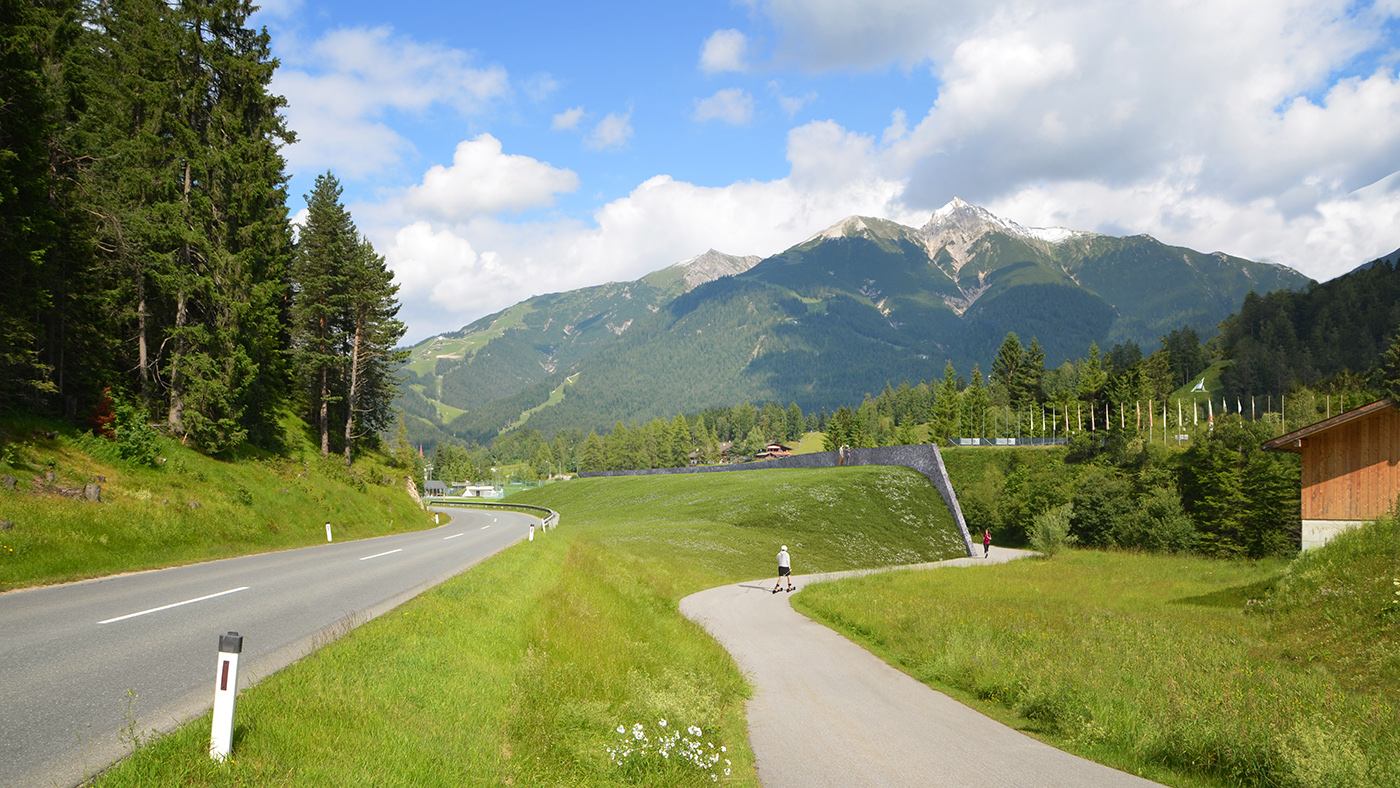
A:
784,570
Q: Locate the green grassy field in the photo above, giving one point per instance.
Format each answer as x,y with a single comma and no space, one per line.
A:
188,508
521,671
1186,670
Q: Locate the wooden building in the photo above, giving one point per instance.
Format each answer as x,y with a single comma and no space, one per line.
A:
1351,469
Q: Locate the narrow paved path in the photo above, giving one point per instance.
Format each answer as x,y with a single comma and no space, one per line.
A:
826,712
73,657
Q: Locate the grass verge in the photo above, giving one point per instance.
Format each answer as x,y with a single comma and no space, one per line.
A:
188,508
521,671
1150,663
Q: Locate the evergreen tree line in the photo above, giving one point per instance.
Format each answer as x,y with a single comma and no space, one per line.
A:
145,238
1326,338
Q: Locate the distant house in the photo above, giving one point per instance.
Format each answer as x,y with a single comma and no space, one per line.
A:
1351,469
773,451
434,488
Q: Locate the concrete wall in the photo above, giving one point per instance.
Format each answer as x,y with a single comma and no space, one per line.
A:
925,459
1317,533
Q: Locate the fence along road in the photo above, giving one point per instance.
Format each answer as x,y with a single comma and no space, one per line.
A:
76,655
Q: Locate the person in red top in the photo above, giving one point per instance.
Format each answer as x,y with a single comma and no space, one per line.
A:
986,542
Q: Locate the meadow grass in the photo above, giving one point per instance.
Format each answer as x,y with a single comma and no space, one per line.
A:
189,508
522,670
1151,664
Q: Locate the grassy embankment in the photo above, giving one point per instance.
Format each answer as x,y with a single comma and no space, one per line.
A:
188,508
1187,670
520,671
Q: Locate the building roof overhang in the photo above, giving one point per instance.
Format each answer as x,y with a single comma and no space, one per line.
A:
1293,441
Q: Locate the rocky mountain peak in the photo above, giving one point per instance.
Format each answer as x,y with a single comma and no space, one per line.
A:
713,265
957,225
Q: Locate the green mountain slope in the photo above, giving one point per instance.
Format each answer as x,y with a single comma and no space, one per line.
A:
865,302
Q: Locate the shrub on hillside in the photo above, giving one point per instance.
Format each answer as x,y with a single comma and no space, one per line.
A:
1050,532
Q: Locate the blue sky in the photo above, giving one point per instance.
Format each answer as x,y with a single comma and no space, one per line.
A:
493,152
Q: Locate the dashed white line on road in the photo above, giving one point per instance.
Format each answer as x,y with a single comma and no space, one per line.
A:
484,527
454,536
174,604
376,555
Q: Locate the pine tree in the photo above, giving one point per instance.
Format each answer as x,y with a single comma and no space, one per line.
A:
328,240
1006,367
372,331
1032,373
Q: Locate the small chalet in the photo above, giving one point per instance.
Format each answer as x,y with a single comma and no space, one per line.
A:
434,488
1351,469
772,452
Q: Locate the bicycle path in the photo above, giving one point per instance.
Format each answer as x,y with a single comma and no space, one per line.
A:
826,712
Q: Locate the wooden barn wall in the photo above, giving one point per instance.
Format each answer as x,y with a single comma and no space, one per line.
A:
1352,472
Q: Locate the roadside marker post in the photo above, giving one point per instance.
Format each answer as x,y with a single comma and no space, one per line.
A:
225,695
328,532
532,532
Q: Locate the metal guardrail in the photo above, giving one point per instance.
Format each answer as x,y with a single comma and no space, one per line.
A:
550,518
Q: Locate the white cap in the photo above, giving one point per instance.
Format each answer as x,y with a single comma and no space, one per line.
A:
784,547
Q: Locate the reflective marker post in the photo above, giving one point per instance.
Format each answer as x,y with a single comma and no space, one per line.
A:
328,532
225,695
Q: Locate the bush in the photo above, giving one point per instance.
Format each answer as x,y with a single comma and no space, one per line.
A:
1050,531
136,440
1161,524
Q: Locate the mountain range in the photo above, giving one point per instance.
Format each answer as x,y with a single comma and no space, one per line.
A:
860,304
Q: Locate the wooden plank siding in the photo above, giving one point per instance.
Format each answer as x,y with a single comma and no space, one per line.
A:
1352,470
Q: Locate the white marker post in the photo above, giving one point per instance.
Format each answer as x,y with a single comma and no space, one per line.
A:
532,532
435,518
225,695
328,532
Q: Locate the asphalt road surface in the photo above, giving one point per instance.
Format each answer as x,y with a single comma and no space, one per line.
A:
81,663
826,712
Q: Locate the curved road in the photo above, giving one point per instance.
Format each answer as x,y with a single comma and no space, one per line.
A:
826,712
71,655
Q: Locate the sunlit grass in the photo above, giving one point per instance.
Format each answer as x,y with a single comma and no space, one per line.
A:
1146,663
520,671
189,508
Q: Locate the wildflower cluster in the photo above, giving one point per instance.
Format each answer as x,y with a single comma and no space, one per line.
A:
688,748
1395,601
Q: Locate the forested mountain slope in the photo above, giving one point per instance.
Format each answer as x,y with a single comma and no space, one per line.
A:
864,302
1300,337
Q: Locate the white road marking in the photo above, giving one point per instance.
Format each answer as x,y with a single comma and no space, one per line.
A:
454,536
176,604
484,527
376,555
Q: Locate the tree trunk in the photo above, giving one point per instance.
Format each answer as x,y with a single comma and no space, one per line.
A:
176,418
325,414
354,390
142,363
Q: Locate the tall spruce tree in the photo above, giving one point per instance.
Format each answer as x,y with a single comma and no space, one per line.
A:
372,330
189,187
327,241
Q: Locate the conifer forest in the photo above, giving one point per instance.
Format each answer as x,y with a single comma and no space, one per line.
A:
148,258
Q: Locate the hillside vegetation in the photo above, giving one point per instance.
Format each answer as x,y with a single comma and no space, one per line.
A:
181,508
1186,670
521,671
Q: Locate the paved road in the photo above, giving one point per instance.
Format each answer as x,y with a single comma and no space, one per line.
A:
69,654
826,712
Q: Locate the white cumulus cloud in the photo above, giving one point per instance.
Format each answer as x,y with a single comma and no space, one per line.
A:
611,133
730,105
484,180
339,88
724,50
567,120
